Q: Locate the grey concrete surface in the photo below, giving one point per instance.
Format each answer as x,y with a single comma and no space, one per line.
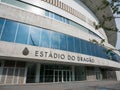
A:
81,85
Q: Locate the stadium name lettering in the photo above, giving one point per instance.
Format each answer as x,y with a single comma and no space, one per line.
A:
53,55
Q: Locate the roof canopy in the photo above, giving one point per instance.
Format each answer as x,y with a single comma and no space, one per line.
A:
92,5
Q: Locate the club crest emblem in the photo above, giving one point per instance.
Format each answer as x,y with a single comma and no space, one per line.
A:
25,51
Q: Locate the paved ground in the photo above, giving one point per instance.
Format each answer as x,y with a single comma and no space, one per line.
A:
114,86
82,85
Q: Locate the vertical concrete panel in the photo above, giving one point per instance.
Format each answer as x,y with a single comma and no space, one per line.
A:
118,75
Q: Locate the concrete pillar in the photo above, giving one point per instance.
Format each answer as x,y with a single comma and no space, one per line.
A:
1,70
118,75
73,73
25,75
37,77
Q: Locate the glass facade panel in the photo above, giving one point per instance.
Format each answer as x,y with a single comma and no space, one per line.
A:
78,26
66,21
17,3
63,42
77,45
88,48
55,73
93,50
45,38
51,14
70,43
26,34
1,24
58,17
24,5
9,31
48,75
47,13
31,73
102,52
34,37
22,34
98,49
83,47
55,40
80,73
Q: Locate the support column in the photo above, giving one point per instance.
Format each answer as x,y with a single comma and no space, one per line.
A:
1,70
25,75
73,73
37,77
118,75
62,76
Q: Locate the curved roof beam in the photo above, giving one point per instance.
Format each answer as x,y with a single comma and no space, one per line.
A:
92,5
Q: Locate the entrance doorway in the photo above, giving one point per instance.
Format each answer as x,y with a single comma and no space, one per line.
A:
62,75
55,73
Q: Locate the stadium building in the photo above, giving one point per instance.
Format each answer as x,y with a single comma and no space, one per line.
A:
45,41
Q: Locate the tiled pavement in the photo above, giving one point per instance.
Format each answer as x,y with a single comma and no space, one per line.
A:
82,85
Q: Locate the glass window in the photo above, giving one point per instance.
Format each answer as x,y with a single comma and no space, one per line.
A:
9,31
83,47
103,52
55,40
58,17
9,63
88,47
16,3
22,34
116,57
31,73
47,13
63,20
96,50
77,45
1,24
70,43
93,50
99,53
51,14
66,21
63,42
49,75
24,6
34,37
45,38
78,26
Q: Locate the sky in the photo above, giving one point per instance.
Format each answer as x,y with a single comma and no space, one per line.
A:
118,35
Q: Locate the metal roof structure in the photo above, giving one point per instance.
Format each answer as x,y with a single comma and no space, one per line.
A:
92,5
